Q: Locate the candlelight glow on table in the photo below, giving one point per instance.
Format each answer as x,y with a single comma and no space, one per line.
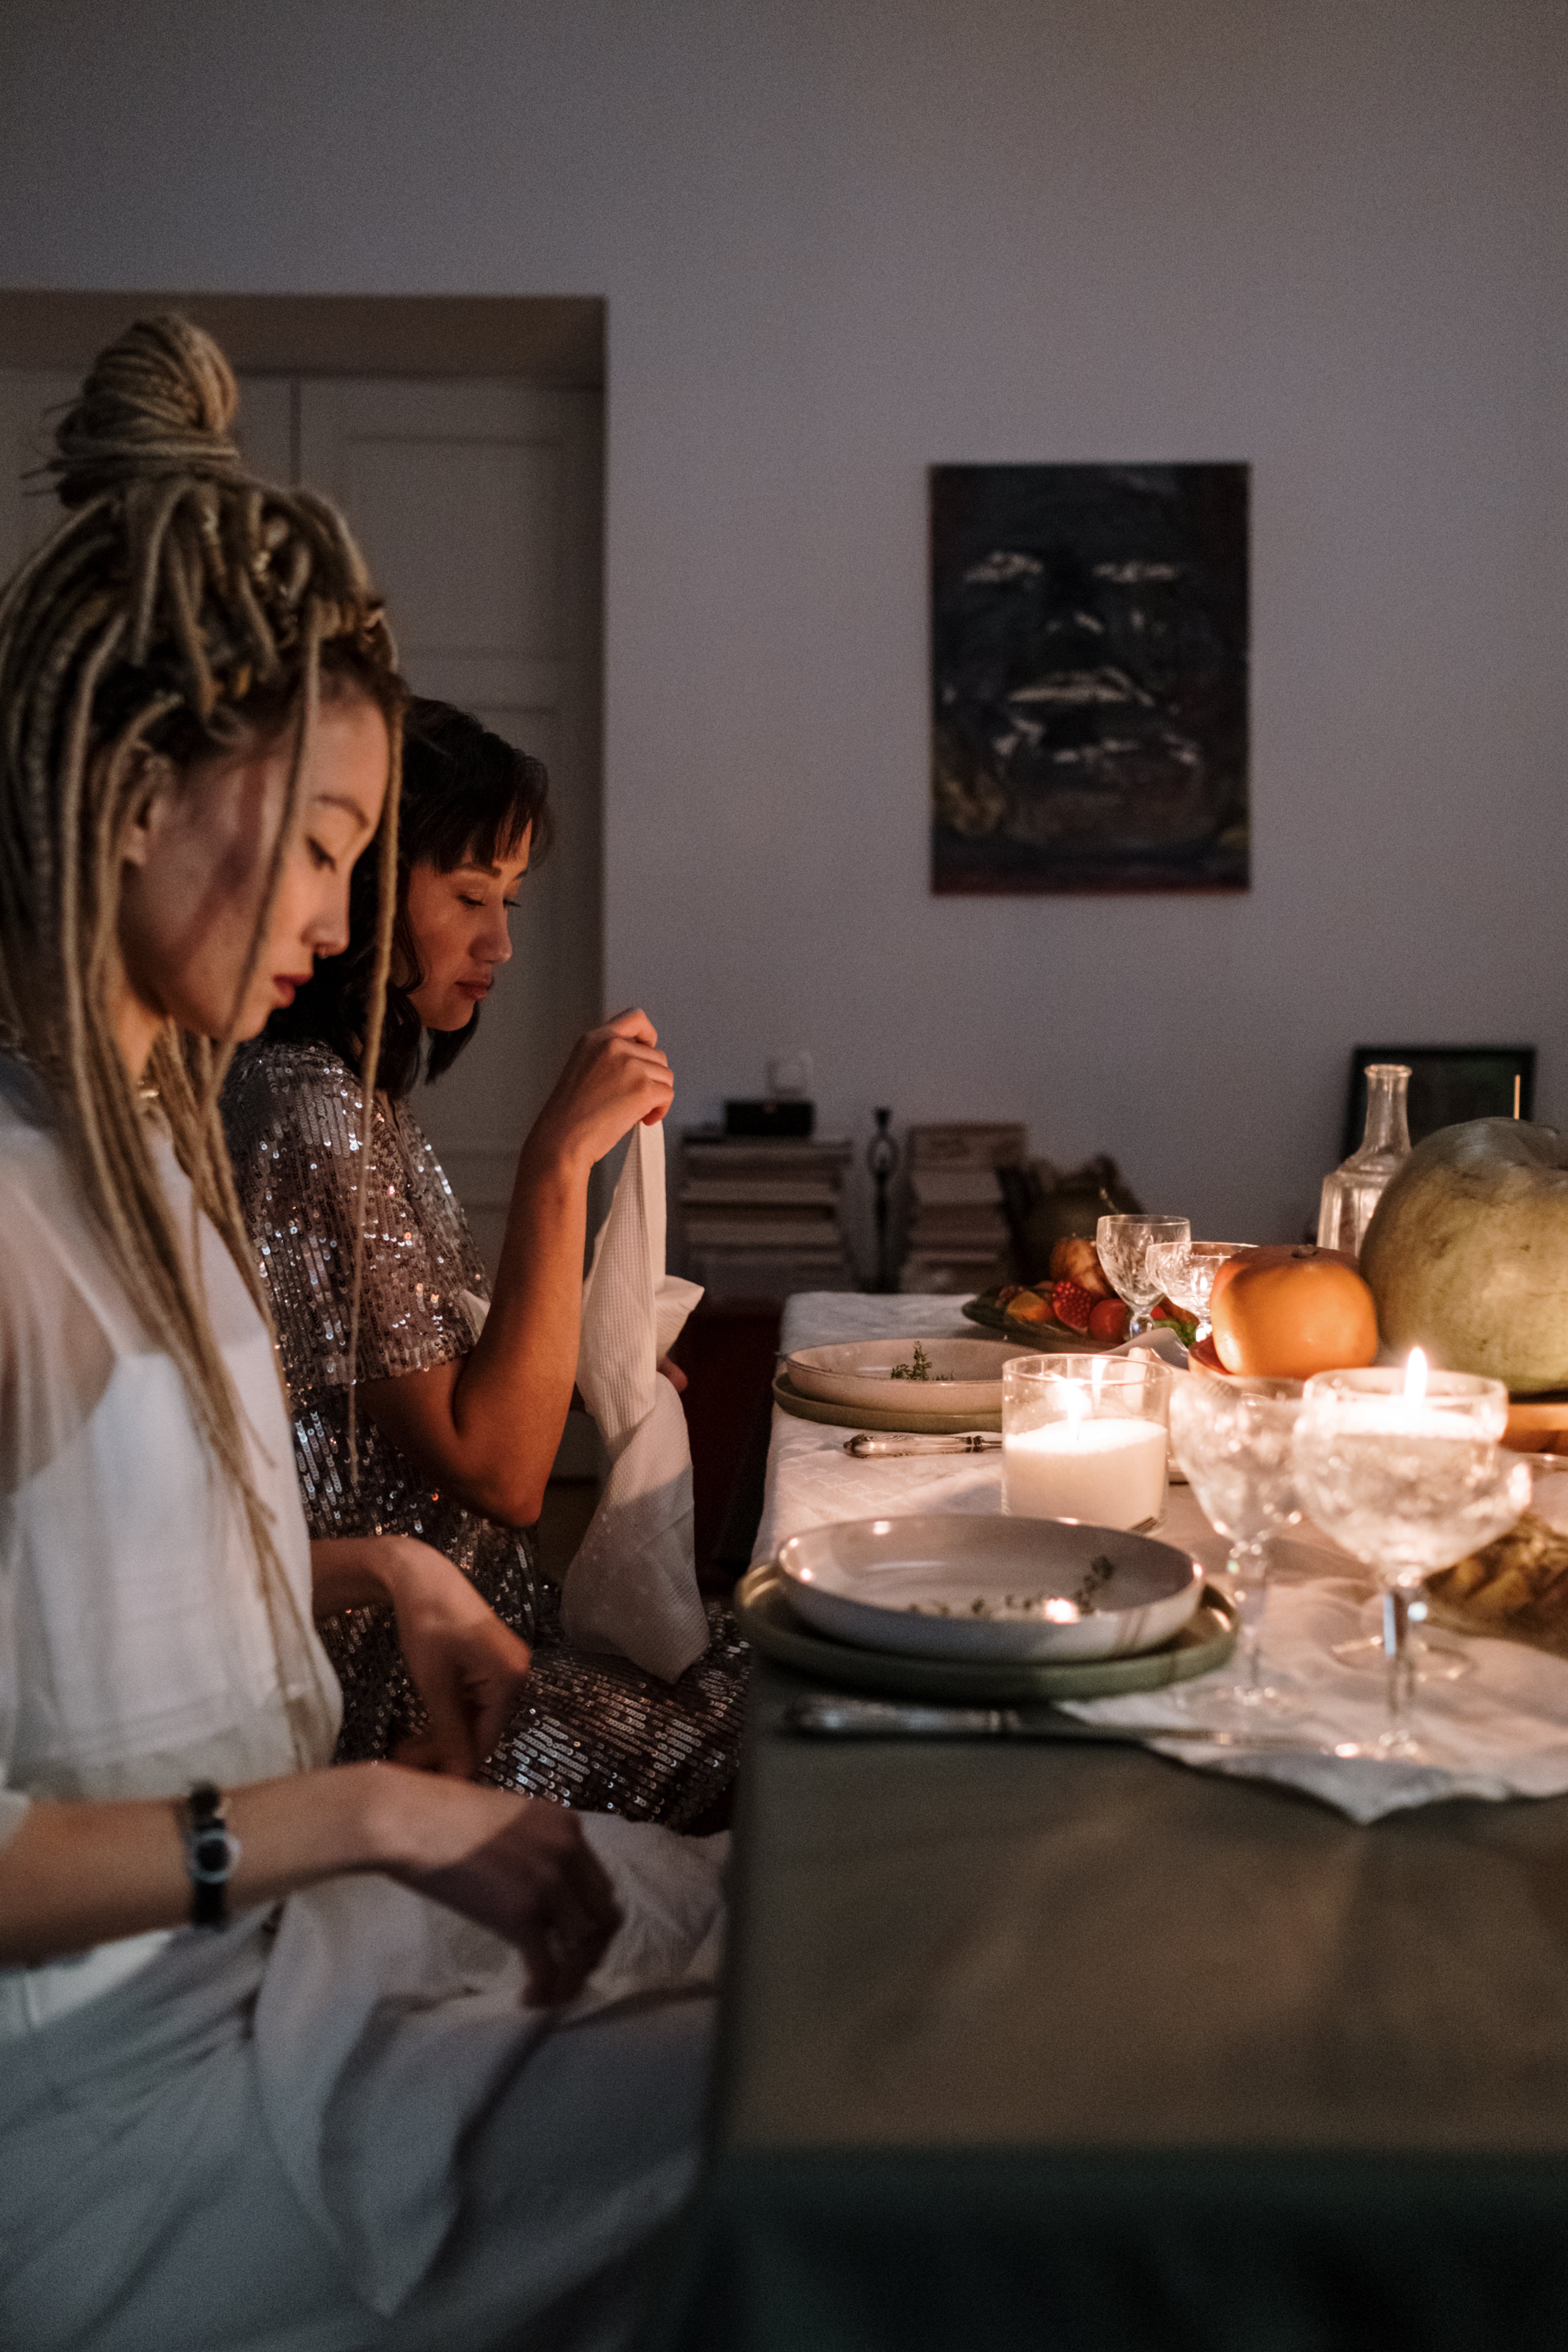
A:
1085,1442
1405,1470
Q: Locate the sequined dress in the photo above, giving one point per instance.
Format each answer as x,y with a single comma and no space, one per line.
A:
593,1731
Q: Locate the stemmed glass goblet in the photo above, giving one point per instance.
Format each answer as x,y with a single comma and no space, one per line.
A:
1126,1246
1188,1270
1233,1438
1409,1484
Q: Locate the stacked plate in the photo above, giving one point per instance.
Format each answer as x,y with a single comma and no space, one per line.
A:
937,1386
954,1607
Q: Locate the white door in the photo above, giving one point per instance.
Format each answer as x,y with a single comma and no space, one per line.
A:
477,506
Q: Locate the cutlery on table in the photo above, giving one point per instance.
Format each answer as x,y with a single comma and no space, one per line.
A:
822,1717
864,1447
973,1440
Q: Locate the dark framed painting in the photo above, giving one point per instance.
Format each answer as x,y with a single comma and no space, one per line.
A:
1088,677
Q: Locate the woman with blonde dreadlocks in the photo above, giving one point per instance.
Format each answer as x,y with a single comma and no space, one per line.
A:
290,2057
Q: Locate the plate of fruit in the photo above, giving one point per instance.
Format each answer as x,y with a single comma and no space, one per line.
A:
1074,1308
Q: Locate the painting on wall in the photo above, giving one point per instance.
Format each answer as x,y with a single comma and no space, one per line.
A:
1088,677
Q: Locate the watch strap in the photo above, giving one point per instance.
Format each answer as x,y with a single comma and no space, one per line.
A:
210,1854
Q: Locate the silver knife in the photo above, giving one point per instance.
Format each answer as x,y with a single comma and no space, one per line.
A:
974,1440
821,1717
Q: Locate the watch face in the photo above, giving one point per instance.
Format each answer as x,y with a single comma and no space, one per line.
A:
210,1858
210,1854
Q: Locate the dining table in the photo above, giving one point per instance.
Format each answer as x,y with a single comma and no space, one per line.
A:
1035,2044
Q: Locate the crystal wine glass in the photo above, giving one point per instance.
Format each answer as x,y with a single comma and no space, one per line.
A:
1233,1438
1188,1270
1409,1484
1125,1245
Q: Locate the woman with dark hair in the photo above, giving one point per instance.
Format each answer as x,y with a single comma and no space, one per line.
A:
446,1429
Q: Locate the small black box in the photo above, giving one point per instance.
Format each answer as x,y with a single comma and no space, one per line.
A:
795,1118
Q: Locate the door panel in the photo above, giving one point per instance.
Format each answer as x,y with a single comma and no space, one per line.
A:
474,559
477,503
477,506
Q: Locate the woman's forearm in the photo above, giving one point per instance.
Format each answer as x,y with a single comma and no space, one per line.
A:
347,1573
487,1425
490,1425
75,1875
351,1571
514,1391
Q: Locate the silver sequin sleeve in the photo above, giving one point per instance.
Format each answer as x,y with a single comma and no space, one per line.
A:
592,1732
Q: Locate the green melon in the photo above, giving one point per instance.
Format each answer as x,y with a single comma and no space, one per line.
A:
1467,1254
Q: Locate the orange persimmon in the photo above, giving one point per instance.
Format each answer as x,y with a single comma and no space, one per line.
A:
1288,1313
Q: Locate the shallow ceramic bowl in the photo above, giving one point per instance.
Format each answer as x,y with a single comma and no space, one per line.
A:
965,1374
1045,1588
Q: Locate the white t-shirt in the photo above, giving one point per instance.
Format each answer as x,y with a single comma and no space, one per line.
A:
136,1652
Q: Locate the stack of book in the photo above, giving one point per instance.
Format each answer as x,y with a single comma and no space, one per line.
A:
759,1216
957,1229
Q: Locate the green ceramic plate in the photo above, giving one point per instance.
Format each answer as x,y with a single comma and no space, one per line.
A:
771,1625
867,1416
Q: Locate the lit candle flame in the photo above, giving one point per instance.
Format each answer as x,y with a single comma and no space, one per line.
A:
1077,1404
1097,1378
1414,1376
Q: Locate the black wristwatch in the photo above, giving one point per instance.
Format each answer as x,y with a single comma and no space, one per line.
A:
211,1854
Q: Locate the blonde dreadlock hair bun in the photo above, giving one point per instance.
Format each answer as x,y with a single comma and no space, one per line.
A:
180,604
159,402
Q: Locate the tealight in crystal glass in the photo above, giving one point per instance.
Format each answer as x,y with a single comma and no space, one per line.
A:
1126,1246
1409,1480
1084,1437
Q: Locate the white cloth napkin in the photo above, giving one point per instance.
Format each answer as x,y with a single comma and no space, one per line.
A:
1502,1731
632,1586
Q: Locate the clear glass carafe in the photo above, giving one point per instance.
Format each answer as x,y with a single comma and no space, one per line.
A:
1352,1193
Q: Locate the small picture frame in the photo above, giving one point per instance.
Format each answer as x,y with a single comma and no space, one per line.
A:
1448,1084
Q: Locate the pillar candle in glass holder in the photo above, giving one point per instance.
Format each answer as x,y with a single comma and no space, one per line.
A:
1073,1449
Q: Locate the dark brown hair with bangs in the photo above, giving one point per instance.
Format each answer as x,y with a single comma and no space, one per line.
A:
467,797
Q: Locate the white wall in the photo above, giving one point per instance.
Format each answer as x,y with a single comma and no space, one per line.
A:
843,239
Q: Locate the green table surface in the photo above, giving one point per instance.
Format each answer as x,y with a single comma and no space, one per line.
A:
1074,2047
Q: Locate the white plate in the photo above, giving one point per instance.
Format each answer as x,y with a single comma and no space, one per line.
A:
886,1583
965,1374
